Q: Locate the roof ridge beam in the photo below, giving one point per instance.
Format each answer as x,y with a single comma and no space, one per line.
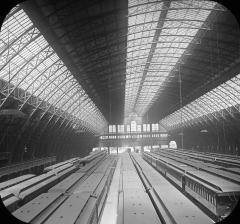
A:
162,17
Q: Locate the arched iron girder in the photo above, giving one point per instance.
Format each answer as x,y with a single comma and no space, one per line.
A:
43,73
38,96
17,53
173,9
67,78
196,110
71,109
230,95
11,90
69,123
96,50
60,98
92,53
92,19
111,64
204,105
68,4
78,108
123,52
60,115
166,55
48,97
233,87
33,112
218,7
58,25
120,41
188,110
39,120
143,65
83,118
40,75
29,31
220,98
35,128
191,122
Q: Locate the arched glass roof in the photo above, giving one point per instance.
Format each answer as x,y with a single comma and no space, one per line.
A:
30,64
159,34
221,100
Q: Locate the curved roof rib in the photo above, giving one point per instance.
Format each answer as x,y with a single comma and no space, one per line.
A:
160,30
222,100
29,63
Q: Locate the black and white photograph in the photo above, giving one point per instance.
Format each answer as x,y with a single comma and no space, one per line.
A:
120,112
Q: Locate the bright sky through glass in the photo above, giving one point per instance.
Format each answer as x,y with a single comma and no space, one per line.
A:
29,63
225,96
150,62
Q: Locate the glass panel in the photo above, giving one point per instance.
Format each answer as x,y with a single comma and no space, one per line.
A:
151,62
128,128
114,128
219,99
133,126
139,129
28,62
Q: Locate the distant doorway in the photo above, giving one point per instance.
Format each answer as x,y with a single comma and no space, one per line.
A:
172,145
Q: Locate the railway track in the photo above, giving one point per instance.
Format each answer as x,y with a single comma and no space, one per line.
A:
77,199
167,199
121,189
212,193
210,168
20,193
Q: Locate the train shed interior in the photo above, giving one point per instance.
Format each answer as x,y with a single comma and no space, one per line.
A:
120,111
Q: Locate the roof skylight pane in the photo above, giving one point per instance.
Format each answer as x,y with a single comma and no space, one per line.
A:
181,24
219,100
29,63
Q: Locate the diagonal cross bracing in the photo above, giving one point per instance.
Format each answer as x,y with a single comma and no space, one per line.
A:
159,35
32,73
162,17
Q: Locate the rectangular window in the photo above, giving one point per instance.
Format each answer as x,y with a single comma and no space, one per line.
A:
155,127
128,128
139,129
148,127
133,126
120,128
144,127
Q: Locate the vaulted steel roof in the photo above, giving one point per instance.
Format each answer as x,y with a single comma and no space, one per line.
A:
96,62
159,36
92,35
33,74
